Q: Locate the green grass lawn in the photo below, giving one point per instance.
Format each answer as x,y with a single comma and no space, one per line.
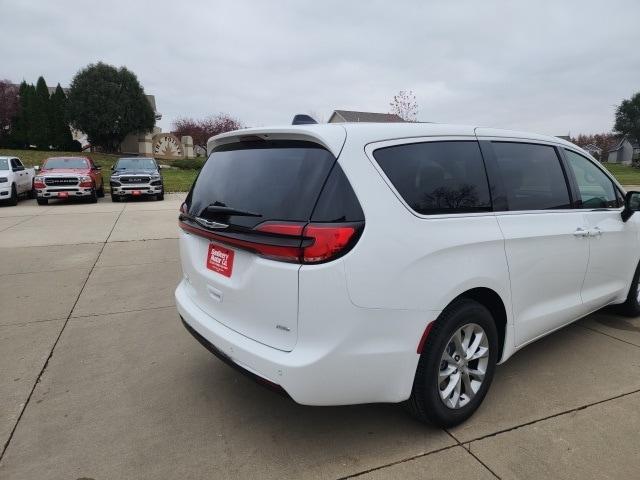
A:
625,175
174,180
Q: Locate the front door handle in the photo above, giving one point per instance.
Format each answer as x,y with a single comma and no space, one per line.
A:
581,232
595,232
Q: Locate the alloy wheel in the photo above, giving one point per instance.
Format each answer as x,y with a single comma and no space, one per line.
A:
463,365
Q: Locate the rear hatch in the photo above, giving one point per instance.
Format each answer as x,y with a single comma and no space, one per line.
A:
242,228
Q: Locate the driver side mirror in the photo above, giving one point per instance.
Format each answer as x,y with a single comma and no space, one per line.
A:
631,205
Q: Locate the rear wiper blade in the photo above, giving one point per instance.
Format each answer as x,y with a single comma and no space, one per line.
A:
214,209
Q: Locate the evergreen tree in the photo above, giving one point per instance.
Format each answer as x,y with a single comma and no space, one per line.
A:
61,137
20,124
39,130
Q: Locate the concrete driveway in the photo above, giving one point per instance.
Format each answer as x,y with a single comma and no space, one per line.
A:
98,379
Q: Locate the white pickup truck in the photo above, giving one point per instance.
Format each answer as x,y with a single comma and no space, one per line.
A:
15,180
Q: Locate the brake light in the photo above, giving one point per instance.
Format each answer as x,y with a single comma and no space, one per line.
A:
319,242
328,241
285,253
290,242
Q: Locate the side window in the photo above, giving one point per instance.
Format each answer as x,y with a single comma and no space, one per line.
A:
16,164
532,176
438,177
596,189
337,202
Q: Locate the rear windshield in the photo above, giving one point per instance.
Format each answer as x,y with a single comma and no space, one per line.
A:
65,163
278,180
136,164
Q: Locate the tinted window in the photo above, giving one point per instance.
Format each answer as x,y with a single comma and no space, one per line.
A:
532,176
278,180
337,202
596,189
4,164
438,177
69,162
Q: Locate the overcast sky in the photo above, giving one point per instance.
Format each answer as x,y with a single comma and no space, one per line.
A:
549,67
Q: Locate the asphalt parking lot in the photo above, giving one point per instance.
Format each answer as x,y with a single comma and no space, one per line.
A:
99,380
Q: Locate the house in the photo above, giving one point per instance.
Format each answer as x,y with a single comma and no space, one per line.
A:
593,149
626,151
342,116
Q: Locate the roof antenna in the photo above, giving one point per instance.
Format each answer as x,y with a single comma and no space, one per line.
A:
302,119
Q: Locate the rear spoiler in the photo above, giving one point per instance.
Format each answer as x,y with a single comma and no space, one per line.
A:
330,136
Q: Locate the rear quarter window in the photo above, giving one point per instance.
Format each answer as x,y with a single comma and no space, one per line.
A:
438,177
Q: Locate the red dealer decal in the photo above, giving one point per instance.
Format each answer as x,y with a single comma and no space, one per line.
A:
220,259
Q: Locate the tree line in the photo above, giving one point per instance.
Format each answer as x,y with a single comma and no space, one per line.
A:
33,118
104,102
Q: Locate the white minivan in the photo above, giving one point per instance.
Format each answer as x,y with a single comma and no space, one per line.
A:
357,263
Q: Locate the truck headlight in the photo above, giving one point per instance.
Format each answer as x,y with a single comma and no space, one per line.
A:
85,178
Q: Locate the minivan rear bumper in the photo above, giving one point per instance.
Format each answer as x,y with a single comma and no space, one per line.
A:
354,365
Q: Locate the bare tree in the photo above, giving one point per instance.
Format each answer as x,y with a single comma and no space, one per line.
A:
203,129
404,105
9,105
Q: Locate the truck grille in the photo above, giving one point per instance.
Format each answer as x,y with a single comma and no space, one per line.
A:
127,180
62,181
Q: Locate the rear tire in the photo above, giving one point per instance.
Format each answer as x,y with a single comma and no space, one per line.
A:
115,198
631,307
43,201
13,199
453,376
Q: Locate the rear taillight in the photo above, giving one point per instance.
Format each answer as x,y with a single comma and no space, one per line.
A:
319,242
291,242
329,241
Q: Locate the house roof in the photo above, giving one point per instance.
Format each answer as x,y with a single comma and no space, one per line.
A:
353,116
621,140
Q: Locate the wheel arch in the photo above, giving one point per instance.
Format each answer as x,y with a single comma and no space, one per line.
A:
493,302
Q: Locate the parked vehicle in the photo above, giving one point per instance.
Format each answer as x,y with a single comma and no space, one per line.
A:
137,177
361,263
15,180
69,177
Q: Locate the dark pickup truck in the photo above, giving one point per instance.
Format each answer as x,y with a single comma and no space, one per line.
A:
136,177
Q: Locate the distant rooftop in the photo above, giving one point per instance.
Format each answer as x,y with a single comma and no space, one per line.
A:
341,116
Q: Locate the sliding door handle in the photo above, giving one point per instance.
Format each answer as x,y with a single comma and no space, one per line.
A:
581,232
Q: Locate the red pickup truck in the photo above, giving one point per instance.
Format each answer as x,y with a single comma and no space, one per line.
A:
68,177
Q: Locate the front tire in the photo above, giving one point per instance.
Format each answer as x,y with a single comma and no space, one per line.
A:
456,366
631,307
101,191
93,198
43,201
13,200
160,196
